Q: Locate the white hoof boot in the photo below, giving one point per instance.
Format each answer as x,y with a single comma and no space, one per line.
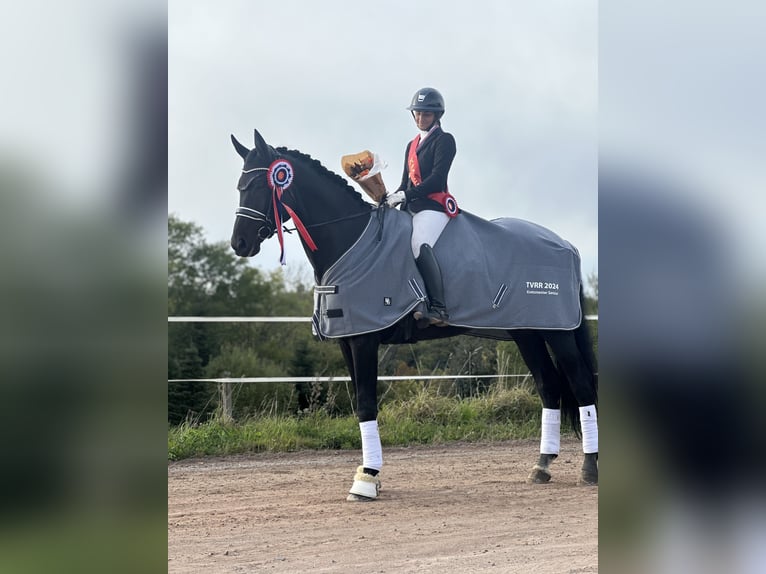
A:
365,487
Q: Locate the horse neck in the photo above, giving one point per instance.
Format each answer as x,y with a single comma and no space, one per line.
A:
331,211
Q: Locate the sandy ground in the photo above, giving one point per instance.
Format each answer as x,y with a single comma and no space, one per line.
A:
448,509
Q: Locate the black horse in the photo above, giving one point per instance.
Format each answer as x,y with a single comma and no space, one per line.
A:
279,184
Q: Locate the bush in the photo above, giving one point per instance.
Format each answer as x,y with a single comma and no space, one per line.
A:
426,417
517,403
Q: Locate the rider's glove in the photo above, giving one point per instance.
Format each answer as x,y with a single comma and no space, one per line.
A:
394,199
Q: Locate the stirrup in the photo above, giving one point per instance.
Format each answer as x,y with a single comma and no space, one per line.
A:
433,316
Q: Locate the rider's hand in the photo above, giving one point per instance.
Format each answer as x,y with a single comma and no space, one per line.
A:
394,199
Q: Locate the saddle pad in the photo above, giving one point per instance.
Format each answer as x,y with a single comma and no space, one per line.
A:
501,274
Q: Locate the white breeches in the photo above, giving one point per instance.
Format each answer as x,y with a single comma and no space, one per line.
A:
427,226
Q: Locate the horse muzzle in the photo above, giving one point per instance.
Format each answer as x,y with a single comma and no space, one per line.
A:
244,249
247,238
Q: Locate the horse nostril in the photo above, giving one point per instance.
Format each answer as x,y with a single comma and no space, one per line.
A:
238,245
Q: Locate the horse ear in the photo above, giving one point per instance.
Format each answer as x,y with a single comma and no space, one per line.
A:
261,147
241,150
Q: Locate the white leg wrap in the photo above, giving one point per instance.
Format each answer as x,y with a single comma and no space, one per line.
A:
372,452
589,427
550,440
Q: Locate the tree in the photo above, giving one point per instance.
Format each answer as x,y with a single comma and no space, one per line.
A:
186,400
302,365
208,279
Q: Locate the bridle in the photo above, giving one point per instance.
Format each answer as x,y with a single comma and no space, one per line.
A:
265,231
279,178
268,229
272,222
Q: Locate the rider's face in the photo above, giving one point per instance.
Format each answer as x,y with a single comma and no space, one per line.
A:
424,120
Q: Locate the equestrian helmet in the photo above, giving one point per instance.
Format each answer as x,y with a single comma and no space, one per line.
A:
427,100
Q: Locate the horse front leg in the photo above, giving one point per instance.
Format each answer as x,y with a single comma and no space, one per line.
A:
361,356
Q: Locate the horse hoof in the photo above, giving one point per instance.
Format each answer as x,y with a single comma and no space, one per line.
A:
358,498
541,471
539,475
365,488
588,478
589,475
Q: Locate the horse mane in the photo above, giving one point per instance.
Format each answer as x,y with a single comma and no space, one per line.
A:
326,173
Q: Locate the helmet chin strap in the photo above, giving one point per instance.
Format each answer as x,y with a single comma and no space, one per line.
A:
425,133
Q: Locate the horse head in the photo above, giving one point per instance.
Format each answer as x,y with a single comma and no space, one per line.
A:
278,184
262,175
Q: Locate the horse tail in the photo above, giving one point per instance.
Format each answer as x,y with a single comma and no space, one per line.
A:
570,409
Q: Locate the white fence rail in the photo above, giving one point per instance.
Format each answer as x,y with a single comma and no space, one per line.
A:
268,319
229,319
343,379
225,383
239,319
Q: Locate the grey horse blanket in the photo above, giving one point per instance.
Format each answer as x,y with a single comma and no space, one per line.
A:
501,274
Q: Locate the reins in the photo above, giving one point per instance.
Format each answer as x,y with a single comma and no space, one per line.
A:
347,217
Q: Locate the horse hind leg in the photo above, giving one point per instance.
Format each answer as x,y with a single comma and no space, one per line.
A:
548,382
549,446
582,384
589,423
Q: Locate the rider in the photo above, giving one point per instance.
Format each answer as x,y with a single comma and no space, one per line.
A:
423,193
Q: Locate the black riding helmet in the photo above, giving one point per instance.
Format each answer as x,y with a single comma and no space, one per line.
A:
427,100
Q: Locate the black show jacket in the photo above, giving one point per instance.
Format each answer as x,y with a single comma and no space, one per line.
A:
435,158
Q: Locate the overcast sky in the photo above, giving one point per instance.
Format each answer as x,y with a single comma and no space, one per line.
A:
334,77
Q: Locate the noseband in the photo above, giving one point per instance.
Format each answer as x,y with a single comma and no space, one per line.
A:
266,230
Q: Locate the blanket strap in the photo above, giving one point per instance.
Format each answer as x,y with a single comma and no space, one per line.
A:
326,289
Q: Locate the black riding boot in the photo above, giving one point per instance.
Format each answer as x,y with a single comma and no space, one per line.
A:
436,313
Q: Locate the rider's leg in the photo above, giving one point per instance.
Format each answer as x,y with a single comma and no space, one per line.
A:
427,226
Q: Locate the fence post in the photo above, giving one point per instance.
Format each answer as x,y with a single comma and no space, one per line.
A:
225,391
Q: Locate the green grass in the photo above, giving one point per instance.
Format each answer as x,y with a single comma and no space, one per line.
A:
82,541
424,418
